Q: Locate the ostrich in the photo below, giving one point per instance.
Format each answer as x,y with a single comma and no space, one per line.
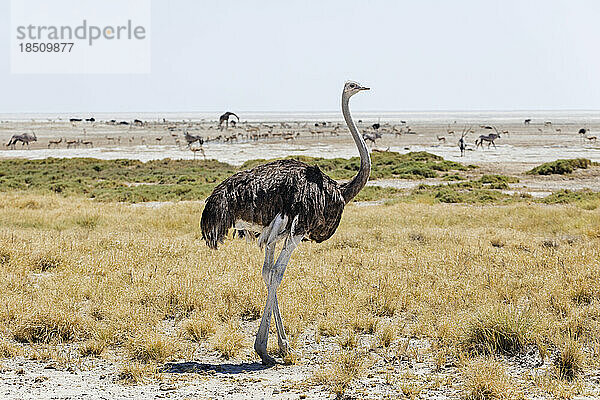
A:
225,118
283,200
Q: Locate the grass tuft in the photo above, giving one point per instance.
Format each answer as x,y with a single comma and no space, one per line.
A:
47,263
8,350
346,367
198,329
570,360
486,379
386,334
151,348
92,348
228,340
502,330
48,327
136,372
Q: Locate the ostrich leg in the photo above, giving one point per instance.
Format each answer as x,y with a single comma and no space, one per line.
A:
270,242
284,346
274,277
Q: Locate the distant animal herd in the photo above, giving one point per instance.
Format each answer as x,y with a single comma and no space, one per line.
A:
229,130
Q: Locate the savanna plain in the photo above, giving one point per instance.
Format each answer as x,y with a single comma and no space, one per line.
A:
459,286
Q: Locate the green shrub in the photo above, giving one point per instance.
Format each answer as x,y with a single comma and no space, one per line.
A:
561,167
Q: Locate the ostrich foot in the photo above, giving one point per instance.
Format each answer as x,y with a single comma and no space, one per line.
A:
264,356
284,348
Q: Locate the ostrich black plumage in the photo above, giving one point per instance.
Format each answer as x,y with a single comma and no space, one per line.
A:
283,200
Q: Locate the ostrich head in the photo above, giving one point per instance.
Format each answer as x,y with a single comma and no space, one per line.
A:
351,88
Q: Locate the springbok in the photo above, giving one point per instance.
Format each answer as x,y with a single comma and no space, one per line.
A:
54,142
74,143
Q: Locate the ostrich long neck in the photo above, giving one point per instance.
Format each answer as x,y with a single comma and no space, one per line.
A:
351,189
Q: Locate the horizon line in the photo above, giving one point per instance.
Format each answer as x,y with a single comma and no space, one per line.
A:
309,111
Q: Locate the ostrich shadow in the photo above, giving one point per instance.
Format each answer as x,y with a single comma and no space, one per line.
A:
191,367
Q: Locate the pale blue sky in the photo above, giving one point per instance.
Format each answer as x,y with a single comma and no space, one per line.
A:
295,55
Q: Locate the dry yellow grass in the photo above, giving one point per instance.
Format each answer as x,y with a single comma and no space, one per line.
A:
73,270
486,379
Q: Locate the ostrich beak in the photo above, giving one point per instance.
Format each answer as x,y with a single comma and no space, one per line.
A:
364,88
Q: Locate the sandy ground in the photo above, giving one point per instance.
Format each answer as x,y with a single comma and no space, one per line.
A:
523,145
207,376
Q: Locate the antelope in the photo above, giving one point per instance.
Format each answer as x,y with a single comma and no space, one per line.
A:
396,131
591,138
372,137
461,142
441,139
110,139
25,139
487,138
252,129
231,138
196,149
54,142
74,143
87,143
158,139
